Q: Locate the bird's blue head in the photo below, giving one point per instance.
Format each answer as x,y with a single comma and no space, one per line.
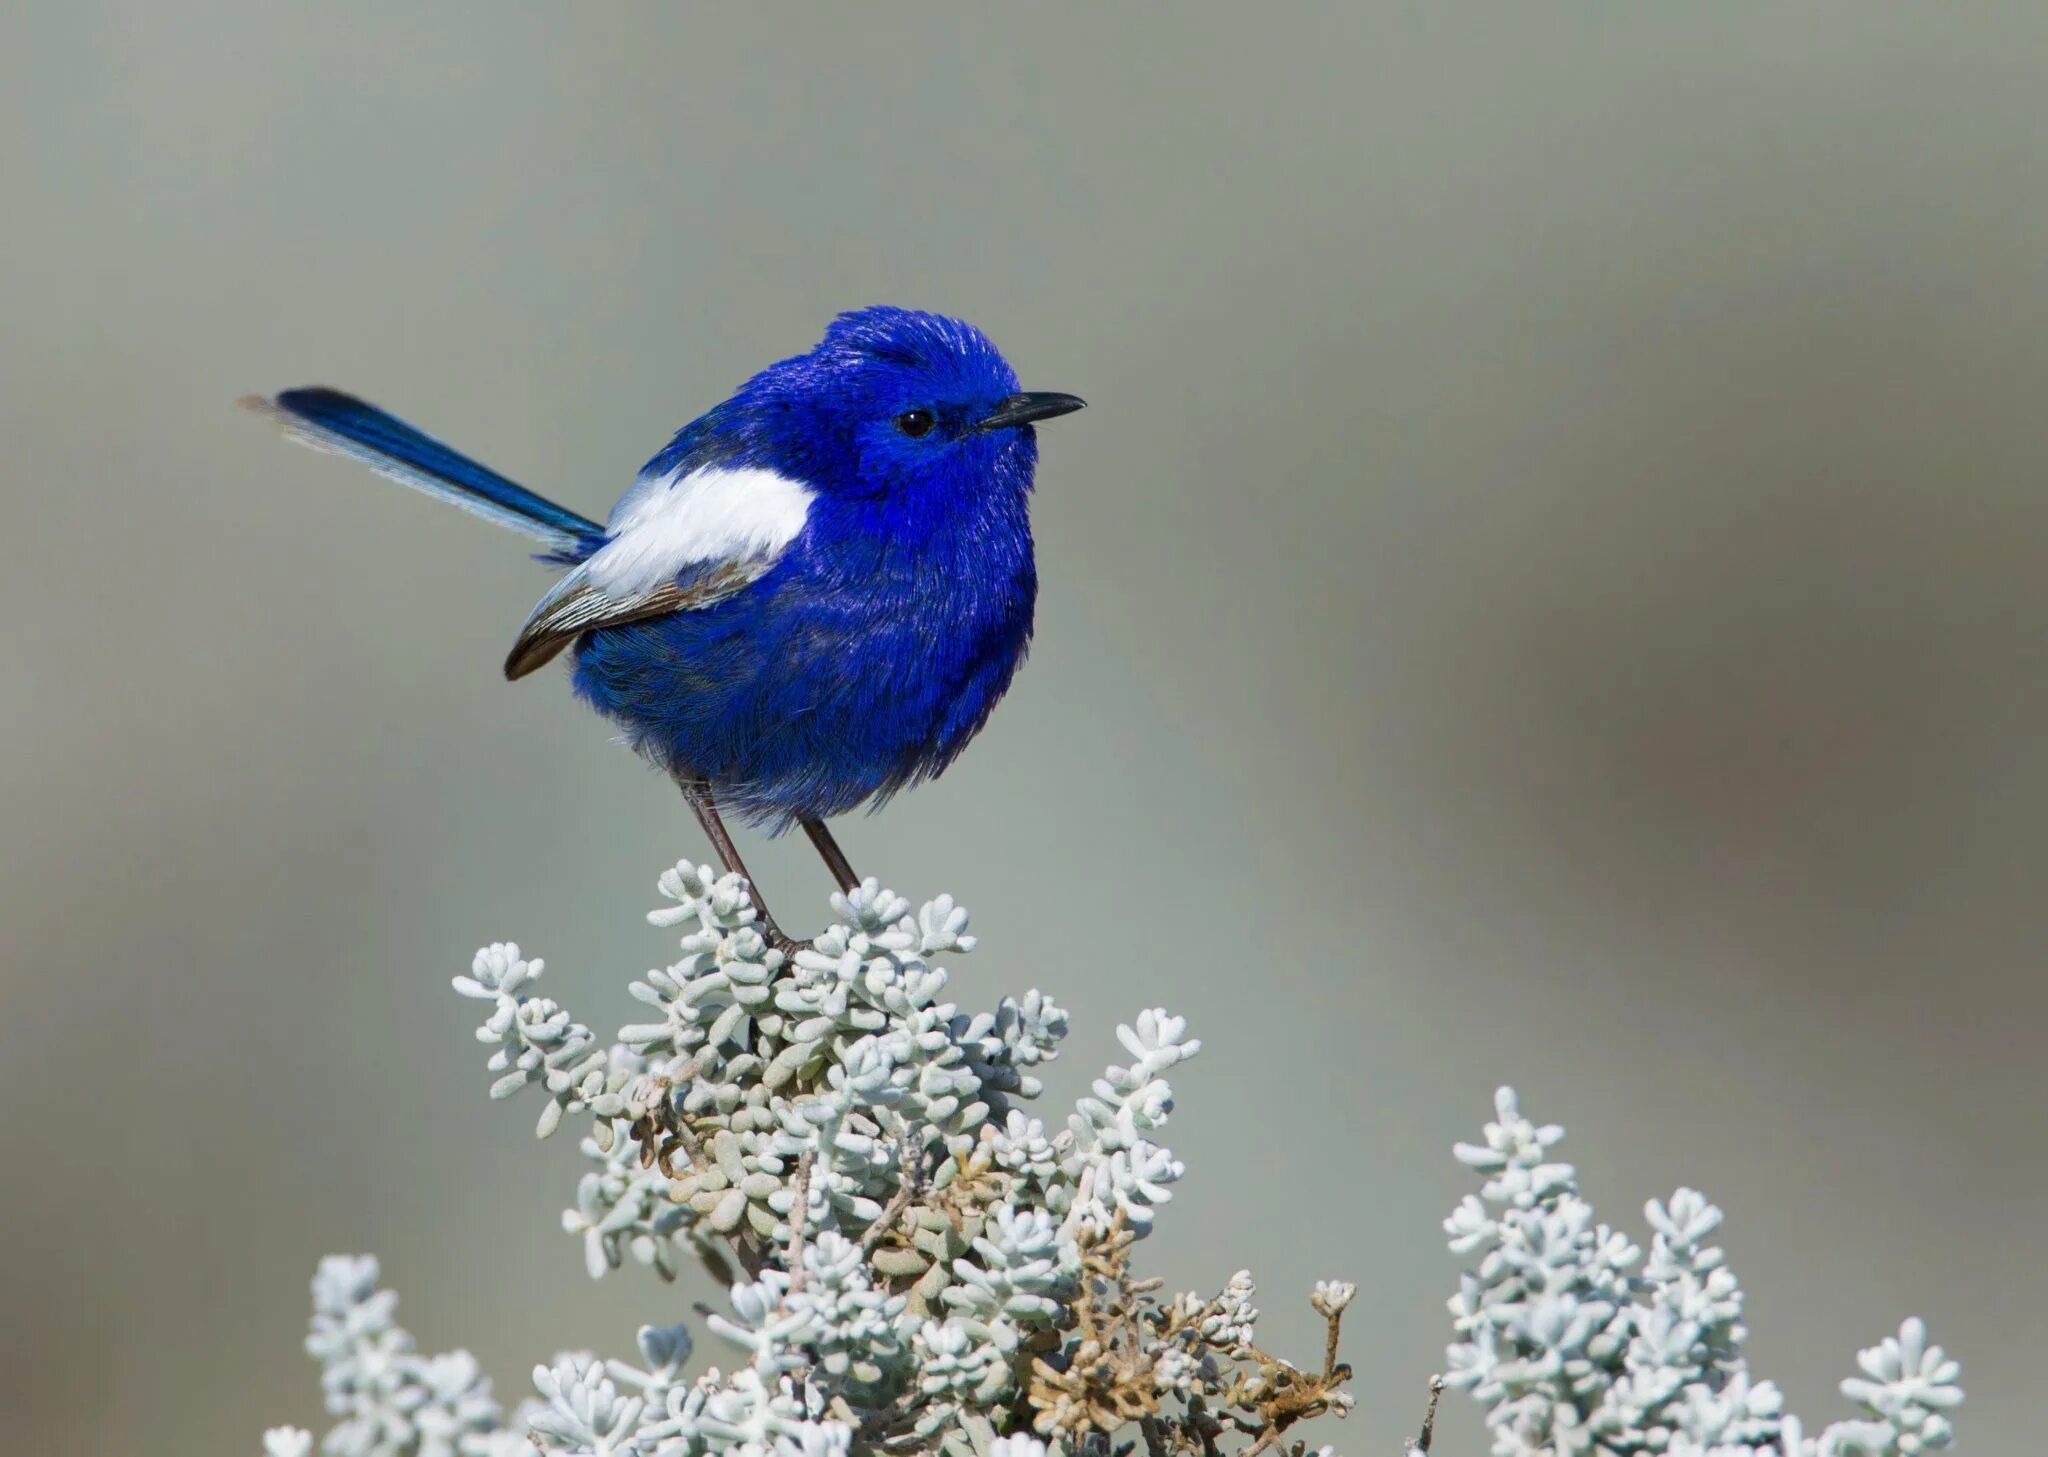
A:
916,408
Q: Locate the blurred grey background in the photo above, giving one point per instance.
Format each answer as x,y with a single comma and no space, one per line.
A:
1551,589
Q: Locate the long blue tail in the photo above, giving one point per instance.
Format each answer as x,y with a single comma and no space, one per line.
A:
330,420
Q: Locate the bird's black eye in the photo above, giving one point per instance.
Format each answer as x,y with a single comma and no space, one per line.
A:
916,423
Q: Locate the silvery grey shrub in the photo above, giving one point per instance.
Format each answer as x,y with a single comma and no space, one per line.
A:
916,1264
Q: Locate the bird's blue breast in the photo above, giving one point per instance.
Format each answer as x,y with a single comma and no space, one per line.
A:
861,663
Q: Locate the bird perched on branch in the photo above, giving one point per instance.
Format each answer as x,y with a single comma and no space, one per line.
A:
810,599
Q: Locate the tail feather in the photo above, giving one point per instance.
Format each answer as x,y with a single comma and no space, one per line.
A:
344,425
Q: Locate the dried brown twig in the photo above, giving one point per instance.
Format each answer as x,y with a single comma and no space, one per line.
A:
1419,1447
906,1189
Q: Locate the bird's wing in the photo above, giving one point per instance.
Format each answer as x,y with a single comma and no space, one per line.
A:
574,607
675,542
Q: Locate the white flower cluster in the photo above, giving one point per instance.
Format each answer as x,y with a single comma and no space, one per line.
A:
1571,1349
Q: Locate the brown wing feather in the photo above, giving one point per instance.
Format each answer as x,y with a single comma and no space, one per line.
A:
575,607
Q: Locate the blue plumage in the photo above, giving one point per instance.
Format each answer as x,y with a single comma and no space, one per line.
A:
814,595
346,425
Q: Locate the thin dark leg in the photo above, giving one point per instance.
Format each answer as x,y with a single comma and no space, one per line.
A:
834,857
698,793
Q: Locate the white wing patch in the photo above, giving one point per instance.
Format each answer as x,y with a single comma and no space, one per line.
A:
669,522
675,543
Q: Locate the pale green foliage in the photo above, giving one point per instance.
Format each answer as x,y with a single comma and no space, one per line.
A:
1572,1350
916,1264
906,1248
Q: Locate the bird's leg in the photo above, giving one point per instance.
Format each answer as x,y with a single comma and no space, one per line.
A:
698,793
834,857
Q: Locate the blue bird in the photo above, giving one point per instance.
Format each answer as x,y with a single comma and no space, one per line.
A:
810,599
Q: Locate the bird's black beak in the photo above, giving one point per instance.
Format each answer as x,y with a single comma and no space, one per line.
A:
1025,408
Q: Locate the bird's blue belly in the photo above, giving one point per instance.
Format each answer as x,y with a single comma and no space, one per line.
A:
803,696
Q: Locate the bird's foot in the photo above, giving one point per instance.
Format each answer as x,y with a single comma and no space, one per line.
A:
781,941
